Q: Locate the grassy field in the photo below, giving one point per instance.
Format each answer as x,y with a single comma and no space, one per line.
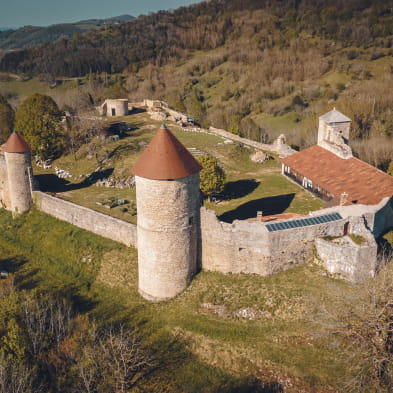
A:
218,336
250,186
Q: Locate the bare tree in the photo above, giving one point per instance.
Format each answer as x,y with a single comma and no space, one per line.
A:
124,358
45,320
113,362
14,377
369,328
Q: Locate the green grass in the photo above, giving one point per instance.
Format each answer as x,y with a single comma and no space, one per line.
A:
235,159
23,89
357,239
199,350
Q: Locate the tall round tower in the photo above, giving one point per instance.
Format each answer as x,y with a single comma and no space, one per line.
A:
167,186
18,163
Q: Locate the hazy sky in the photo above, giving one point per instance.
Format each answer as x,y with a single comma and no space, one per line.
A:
17,13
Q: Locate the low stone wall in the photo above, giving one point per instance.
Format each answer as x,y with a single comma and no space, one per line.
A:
245,141
247,247
82,217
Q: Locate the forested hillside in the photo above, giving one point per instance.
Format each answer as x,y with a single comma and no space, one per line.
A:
208,25
256,68
29,36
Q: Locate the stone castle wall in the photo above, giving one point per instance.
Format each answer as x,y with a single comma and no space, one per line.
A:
168,220
82,217
5,200
247,247
240,247
344,257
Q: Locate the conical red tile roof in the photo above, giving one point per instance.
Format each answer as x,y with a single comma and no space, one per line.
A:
16,144
165,158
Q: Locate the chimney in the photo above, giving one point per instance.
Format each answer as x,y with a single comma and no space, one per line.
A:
259,215
343,199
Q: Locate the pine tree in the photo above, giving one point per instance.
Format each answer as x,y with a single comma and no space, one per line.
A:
212,176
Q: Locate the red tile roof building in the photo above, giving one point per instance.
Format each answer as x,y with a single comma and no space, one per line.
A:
334,176
330,171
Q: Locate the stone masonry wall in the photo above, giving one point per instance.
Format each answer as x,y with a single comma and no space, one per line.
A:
351,261
82,217
5,201
168,220
247,247
19,180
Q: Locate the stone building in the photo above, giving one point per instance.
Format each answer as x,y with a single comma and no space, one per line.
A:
114,107
167,190
330,171
15,174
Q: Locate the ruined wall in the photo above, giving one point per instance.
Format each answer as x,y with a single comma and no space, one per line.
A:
282,149
351,261
82,217
247,247
168,220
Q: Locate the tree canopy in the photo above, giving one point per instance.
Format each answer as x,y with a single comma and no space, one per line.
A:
7,118
212,176
38,119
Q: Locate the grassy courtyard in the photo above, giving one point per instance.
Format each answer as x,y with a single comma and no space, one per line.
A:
250,186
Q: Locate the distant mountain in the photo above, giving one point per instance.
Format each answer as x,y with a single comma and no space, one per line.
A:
30,36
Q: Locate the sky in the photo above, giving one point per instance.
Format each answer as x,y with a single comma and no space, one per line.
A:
18,13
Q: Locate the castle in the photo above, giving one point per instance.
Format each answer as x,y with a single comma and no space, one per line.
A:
176,237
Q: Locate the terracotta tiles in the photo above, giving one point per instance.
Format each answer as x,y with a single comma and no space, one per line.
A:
362,182
165,158
16,144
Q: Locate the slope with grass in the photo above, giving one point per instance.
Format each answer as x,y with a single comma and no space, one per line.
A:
219,335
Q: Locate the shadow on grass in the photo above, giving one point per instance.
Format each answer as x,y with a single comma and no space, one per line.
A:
11,265
271,205
52,183
174,362
239,188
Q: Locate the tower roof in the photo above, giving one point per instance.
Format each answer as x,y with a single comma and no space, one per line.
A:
16,144
165,158
334,116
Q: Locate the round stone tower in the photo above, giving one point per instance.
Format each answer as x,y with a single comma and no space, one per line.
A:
19,173
167,189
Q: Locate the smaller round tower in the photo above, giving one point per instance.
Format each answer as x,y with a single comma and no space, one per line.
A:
167,185
19,173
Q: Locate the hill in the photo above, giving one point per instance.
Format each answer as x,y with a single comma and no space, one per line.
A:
253,67
29,36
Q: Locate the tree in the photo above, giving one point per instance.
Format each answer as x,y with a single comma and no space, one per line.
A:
7,118
38,119
212,176
369,329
